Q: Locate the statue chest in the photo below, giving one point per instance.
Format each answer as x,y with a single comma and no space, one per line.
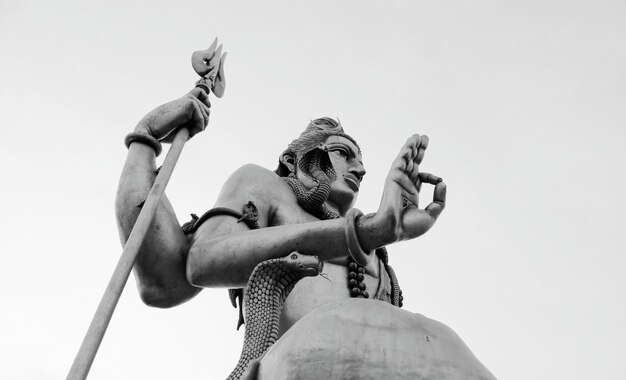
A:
312,292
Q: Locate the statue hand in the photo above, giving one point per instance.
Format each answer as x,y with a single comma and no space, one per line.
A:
191,111
398,214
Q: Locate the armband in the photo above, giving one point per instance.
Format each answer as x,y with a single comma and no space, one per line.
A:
143,139
354,247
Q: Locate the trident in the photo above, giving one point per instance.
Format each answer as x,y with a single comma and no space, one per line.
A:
209,65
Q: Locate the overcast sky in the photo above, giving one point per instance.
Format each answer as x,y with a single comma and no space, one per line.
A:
524,103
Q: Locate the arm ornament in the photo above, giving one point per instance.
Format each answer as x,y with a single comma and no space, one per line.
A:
354,247
250,216
143,139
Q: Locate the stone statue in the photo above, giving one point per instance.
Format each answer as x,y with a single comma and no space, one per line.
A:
344,324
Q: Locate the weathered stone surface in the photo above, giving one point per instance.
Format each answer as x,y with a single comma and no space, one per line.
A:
365,339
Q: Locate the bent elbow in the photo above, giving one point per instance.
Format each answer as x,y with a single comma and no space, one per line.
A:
166,297
206,269
196,274
157,298
193,276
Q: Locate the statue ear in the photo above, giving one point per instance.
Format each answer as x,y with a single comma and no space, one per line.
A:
287,164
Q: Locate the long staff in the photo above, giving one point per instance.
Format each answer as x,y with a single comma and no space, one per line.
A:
206,63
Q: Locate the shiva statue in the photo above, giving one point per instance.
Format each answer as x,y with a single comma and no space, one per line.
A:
344,324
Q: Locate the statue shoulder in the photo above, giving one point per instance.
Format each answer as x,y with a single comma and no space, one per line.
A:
255,183
255,171
255,177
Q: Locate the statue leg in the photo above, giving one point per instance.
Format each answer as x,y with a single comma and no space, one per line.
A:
365,339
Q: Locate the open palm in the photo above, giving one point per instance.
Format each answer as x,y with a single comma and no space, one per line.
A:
400,200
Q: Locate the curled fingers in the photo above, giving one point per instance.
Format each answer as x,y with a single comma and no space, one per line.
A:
429,178
435,208
201,95
200,117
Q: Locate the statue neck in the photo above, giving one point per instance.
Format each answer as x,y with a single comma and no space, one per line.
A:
314,200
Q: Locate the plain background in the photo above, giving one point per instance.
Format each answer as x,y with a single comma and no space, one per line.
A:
523,102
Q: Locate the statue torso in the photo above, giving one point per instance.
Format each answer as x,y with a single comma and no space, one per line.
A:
312,292
278,206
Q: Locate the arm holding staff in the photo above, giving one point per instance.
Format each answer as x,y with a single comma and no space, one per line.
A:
160,265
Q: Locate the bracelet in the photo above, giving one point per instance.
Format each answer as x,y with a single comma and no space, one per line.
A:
143,139
354,247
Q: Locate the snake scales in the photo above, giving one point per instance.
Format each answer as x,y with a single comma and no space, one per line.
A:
316,165
268,287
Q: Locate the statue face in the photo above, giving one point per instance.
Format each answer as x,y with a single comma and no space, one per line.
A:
348,165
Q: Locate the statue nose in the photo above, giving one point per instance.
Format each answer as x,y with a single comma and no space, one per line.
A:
357,169
358,172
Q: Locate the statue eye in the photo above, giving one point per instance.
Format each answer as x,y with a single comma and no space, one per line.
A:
342,152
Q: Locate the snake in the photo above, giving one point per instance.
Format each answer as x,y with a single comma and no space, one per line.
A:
269,285
316,165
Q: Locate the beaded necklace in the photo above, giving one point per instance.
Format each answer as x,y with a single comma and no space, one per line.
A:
356,272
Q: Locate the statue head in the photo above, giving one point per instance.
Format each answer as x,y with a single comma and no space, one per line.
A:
316,133
325,163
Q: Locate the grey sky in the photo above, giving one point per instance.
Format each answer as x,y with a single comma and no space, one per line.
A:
523,102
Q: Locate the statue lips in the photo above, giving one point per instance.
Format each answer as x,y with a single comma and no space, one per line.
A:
352,181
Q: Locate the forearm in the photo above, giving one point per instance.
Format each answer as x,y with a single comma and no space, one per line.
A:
136,180
160,264
228,260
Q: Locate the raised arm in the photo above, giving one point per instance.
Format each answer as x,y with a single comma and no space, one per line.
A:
160,265
223,253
